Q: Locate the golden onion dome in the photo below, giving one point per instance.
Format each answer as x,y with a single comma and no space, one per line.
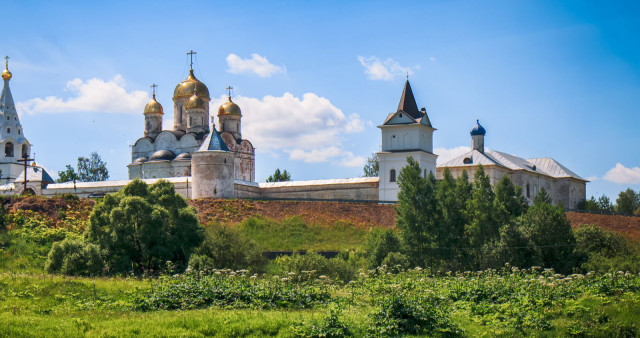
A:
195,102
191,86
229,108
153,107
6,74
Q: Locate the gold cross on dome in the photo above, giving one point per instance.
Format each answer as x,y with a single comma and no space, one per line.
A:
6,58
191,52
154,86
229,89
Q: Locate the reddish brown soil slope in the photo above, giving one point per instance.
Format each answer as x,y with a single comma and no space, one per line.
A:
234,211
628,226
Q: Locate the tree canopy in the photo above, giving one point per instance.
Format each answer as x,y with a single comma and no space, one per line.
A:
279,176
141,227
90,169
372,166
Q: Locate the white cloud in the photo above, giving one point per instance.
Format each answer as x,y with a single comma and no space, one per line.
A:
258,65
388,70
167,123
446,154
592,178
309,129
94,95
623,175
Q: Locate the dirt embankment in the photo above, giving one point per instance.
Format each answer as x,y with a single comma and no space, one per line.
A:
323,213
628,226
234,211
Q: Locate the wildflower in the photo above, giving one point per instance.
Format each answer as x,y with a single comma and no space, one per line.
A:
291,274
323,277
418,268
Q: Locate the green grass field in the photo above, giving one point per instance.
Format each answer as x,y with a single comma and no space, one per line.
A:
489,303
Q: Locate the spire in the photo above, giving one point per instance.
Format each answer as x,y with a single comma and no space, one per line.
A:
191,52
154,86
229,89
6,100
408,102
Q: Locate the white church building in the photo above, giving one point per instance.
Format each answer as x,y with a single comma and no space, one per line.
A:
204,161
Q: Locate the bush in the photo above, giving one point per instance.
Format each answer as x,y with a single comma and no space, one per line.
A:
399,316
227,248
396,262
330,326
335,268
379,244
74,258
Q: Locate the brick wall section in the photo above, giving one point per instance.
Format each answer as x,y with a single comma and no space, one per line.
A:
628,226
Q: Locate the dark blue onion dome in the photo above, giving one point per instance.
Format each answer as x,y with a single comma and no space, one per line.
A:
478,129
184,156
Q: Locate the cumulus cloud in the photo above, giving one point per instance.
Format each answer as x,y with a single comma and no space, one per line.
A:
446,154
94,95
308,129
623,175
257,64
388,70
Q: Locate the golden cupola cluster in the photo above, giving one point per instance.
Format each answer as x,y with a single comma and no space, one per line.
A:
191,86
153,107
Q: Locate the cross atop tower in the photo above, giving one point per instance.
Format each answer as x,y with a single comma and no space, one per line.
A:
407,76
6,59
229,89
191,52
154,86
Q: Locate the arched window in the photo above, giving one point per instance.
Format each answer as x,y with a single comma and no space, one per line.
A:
8,149
25,151
392,175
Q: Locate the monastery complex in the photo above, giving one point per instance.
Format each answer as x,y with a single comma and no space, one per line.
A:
205,159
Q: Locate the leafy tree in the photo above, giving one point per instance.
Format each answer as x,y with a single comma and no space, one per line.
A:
68,175
225,247
549,231
452,196
141,227
509,198
589,205
379,244
279,177
604,204
417,212
92,169
483,229
372,166
628,201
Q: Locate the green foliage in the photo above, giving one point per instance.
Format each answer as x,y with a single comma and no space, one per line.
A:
312,265
380,243
329,326
604,204
628,201
548,229
74,258
279,177
372,166
92,169
398,316
226,247
396,262
416,213
589,205
452,196
141,227
67,175
601,250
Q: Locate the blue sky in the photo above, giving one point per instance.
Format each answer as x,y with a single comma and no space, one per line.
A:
314,79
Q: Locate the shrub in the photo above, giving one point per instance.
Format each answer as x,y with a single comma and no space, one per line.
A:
335,268
396,262
329,326
227,248
74,258
379,244
399,316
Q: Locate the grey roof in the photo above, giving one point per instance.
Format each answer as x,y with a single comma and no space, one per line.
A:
35,174
213,142
163,154
544,166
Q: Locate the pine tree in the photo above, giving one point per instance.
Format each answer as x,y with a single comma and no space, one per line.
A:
482,231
